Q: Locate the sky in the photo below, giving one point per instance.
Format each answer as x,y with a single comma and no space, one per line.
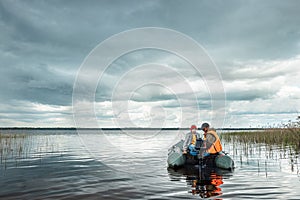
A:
252,47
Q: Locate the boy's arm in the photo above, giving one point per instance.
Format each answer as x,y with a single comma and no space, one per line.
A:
185,143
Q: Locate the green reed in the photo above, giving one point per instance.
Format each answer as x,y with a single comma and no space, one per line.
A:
264,145
283,137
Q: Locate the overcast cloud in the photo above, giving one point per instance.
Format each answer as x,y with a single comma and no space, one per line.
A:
254,44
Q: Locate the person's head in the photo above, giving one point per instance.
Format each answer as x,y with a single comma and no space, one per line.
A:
205,127
193,128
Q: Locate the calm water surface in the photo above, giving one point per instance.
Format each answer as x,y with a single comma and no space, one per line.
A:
64,164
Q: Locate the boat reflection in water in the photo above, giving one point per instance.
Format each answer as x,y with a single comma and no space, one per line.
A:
204,182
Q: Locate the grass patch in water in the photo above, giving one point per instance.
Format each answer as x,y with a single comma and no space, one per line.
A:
11,145
283,137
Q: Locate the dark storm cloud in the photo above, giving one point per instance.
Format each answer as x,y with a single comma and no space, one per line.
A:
247,30
57,34
240,30
36,84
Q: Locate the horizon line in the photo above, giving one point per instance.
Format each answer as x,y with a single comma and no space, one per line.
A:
130,128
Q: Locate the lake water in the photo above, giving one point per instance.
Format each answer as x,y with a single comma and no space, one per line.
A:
89,164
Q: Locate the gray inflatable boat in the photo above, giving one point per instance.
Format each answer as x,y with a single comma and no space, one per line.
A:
176,159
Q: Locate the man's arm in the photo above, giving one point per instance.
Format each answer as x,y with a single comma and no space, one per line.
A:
185,143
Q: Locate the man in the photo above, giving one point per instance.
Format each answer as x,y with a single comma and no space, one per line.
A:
190,141
204,128
212,140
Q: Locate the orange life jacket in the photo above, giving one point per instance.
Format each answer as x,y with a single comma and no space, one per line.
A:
216,146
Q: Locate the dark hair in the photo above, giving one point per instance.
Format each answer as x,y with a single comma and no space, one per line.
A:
204,125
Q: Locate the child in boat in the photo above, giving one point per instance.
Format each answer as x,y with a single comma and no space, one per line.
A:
190,141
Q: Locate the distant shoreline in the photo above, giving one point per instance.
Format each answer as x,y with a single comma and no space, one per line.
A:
127,128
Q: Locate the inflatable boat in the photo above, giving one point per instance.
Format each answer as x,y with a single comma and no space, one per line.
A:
177,159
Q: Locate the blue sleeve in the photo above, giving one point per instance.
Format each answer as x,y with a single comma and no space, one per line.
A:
206,154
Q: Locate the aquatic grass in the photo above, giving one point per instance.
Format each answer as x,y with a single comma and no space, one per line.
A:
17,147
284,137
11,145
265,146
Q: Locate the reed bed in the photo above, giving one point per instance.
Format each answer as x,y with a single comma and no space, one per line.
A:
17,147
11,145
285,137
